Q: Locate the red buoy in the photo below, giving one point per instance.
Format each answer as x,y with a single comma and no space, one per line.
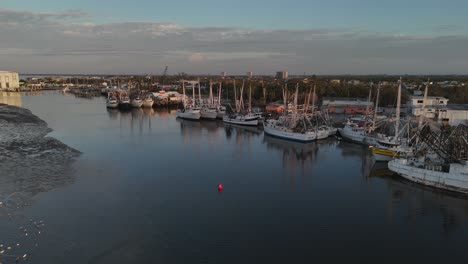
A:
220,187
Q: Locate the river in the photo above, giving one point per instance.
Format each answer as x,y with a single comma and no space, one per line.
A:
144,190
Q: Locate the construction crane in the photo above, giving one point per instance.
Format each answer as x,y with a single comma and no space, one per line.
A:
163,76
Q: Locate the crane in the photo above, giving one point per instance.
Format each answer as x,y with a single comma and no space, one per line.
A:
163,77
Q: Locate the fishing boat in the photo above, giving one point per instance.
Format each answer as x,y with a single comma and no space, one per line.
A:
440,159
220,109
112,101
294,126
207,110
136,102
189,111
148,101
241,116
124,101
452,177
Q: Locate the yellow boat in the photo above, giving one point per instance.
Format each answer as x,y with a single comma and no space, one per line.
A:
383,154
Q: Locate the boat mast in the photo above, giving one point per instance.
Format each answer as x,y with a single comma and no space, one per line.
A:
235,96
250,96
211,93
397,119
242,96
199,92
423,108
219,96
295,103
193,91
183,91
376,106
368,101
313,100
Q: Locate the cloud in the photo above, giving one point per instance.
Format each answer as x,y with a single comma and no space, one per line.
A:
70,42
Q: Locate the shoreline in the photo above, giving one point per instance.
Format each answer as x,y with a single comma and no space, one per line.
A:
31,162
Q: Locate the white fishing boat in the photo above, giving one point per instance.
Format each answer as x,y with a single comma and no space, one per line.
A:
136,102
189,111
293,125
241,116
208,113
207,110
148,101
220,112
247,119
277,129
452,177
322,132
112,101
124,101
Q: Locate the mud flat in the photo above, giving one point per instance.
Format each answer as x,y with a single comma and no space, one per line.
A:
30,162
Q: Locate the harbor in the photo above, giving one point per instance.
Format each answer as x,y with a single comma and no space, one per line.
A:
142,172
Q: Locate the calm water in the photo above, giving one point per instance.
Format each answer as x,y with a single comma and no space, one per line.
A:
144,191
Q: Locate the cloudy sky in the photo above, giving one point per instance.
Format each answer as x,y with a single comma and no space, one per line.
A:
206,36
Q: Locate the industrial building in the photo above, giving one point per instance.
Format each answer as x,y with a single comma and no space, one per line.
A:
432,105
9,80
347,105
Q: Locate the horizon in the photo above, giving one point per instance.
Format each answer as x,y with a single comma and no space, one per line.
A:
142,37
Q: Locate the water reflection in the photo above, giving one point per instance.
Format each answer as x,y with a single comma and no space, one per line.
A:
419,203
11,98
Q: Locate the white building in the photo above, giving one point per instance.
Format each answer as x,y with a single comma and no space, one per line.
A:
454,117
223,74
432,105
282,75
249,74
9,80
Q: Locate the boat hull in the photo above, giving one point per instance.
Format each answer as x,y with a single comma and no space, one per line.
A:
112,105
381,154
189,115
125,106
356,137
456,180
220,114
137,104
288,135
241,122
148,103
208,114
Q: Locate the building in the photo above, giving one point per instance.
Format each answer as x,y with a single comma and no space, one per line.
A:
335,81
9,80
432,105
453,117
354,82
282,75
249,74
347,105
223,74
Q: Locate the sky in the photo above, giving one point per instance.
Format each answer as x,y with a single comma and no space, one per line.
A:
207,37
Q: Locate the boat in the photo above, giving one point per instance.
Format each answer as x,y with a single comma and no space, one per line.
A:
293,126
124,101
189,111
440,159
207,110
112,101
220,109
452,177
240,116
136,102
148,101
247,119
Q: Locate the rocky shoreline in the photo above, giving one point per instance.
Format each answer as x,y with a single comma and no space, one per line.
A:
30,162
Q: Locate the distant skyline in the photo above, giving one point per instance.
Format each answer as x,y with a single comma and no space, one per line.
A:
208,37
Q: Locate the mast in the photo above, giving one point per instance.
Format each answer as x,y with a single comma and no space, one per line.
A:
397,119
313,100
423,108
219,96
193,91
235,96
211,93
250,96
295,102
241,96
368,101
376,106
199,92
183,91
